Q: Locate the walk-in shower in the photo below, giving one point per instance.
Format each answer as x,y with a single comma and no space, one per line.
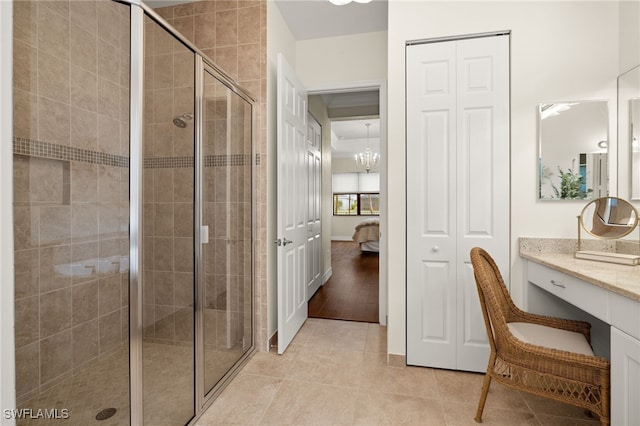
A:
134,217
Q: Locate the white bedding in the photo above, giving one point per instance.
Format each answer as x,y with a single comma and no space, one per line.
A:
367,234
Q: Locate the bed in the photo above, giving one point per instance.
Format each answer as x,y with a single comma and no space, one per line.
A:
367,235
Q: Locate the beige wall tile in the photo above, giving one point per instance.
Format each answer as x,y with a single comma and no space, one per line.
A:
163,254
110,330
108,98
163,288
84,302
108,135
226,57
203,31
84,222
25,61
248,31
185,26
83,129
84,14
84,182
109,22
25,22
26,227
108,61
183,252
83,48
55,356
27,367
53,121
84,90
27,321
108,220
85,342
226,27
27,273
25,114
109,294
55,312
53,33
183,289
55,225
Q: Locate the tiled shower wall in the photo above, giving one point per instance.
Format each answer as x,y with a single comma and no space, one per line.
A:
71,145
233,34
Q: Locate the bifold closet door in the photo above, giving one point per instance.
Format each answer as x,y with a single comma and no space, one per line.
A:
457,193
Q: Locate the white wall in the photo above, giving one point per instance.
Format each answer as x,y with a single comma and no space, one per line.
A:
559,50
629,15
279,40
7,345
332,61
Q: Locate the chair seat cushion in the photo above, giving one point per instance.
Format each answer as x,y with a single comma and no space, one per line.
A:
550,337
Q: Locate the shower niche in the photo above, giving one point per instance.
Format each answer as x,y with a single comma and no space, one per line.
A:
134,216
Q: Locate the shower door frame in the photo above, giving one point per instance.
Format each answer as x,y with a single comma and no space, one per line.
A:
203,398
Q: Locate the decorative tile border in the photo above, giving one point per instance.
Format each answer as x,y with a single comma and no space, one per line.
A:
32,148
40,149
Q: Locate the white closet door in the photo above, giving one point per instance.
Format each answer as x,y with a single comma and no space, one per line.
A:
431,202
483,181
457,193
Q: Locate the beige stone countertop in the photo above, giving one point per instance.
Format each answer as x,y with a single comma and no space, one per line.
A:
621,279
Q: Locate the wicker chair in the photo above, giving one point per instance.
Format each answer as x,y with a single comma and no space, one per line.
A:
547,370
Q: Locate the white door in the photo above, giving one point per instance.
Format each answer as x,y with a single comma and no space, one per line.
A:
292,203
625,379
457,193
314,211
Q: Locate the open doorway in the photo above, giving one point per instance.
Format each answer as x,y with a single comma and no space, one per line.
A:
353,204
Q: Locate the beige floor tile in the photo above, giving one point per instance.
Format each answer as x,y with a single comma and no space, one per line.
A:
460,414
466,387
329,366
548,420
300,403
376,339
244,401
410,381
376,408
339,334
546,406
271,364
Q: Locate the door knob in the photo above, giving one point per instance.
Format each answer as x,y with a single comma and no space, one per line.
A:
282,242
435,249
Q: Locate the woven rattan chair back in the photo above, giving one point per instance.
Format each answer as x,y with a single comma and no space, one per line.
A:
576,379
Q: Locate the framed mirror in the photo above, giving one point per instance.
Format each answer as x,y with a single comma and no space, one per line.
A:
629,134
573,160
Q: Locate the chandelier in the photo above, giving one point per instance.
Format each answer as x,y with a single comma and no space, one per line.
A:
367,159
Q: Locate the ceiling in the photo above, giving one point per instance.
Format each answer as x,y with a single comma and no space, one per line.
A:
349,137
308,19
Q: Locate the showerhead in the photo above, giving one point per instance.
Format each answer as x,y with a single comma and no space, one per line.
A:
181,121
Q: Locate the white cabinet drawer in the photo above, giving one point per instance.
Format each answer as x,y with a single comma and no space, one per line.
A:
625,314
588,297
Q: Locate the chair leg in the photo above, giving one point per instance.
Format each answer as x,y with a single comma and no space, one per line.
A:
483,395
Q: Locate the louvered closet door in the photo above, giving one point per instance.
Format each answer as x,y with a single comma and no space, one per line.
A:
457,193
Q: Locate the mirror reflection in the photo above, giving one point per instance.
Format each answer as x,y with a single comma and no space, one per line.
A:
573,150
634,141
629,134
609,217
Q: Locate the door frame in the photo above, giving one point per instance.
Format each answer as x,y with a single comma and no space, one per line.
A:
381,87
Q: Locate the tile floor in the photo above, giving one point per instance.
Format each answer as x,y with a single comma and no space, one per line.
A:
335,373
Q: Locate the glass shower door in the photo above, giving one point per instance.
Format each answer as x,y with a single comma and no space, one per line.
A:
168,347
227,214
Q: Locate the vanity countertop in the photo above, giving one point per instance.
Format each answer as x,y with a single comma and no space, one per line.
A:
621,279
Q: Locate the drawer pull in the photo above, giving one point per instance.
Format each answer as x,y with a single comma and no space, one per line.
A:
558,284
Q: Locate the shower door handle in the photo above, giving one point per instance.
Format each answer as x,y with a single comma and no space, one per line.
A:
204,234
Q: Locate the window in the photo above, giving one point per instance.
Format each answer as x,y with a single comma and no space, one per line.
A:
356,194
358,204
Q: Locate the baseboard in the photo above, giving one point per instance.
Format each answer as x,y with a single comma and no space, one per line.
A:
328,273
396,360
273,341
341,238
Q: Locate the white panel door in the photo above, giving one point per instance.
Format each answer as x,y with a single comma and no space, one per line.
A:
431,215
292,203
314,216
483,181
457,193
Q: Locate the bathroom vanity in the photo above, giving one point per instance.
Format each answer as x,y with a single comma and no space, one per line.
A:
610,295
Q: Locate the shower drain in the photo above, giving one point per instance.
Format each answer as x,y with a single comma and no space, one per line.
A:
106,413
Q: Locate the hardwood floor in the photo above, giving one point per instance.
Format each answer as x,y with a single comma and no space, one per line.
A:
352,291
